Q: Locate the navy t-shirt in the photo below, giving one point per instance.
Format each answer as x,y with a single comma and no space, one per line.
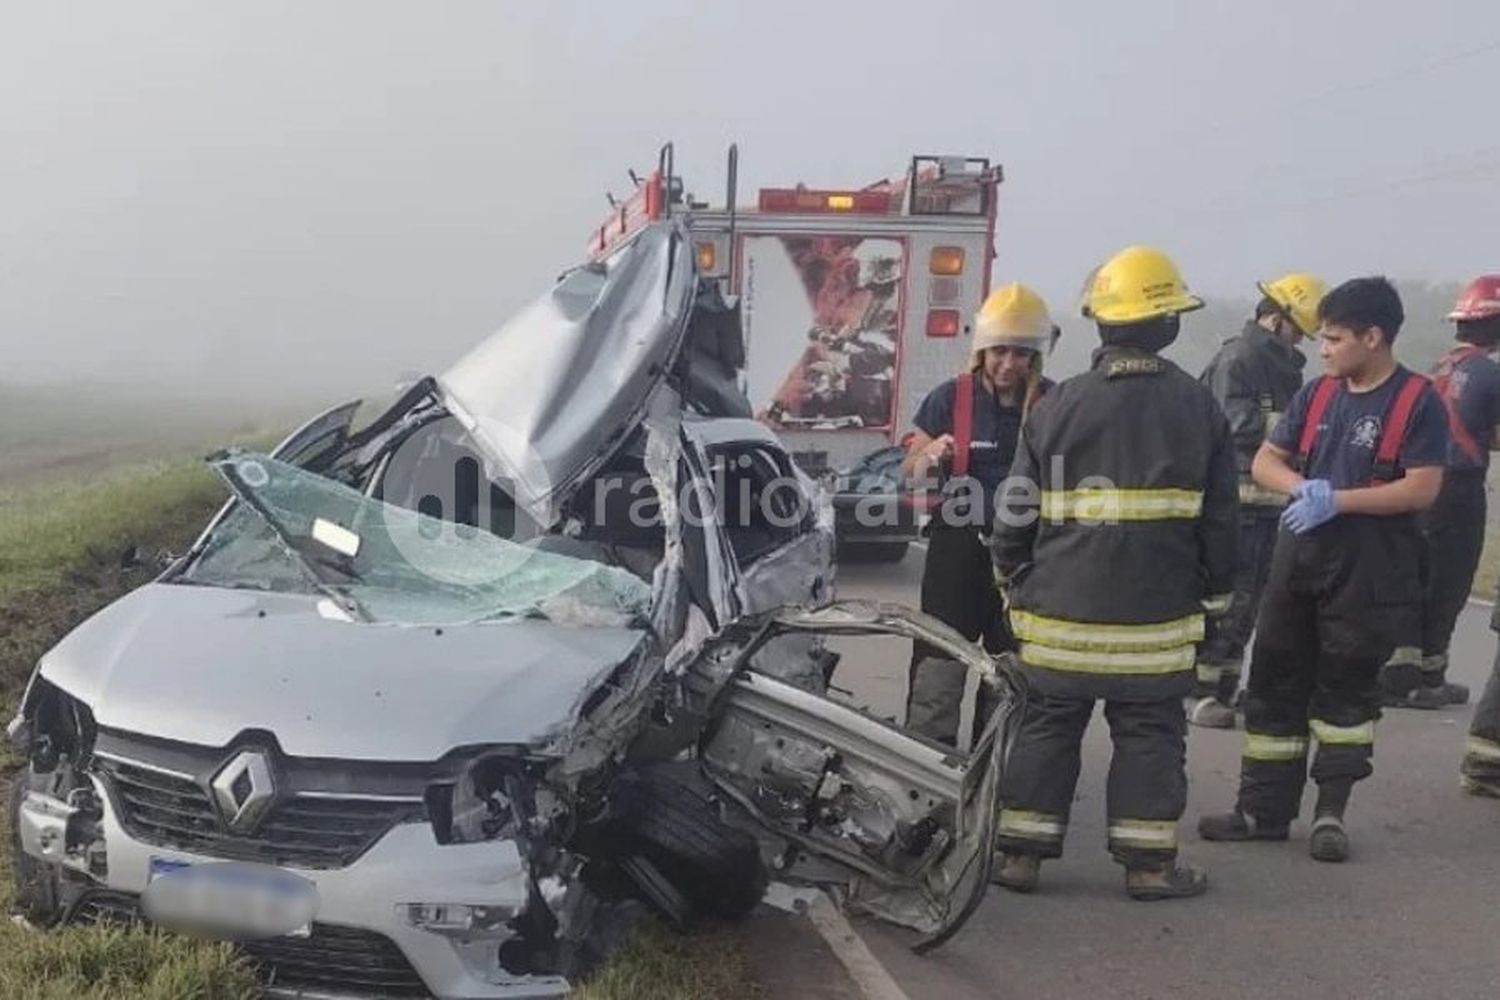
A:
996,428
1474,395
1344,452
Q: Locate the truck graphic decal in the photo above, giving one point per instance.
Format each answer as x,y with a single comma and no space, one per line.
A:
827,358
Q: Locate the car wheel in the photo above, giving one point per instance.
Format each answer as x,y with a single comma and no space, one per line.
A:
677,827
35,882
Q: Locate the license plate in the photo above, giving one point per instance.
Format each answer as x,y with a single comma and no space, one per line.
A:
229,899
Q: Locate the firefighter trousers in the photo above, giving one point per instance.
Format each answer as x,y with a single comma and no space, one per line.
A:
1482,753
1147,788
1337,601
958,588
1222,653
1453,533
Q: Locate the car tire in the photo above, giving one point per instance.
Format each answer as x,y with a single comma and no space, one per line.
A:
35,883
678,827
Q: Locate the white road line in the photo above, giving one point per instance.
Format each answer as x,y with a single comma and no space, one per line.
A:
1481,602
874,982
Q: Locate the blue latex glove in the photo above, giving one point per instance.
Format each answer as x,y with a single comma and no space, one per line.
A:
1312,507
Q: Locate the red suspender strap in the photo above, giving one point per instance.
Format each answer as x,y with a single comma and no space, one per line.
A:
1316,407
1444,385
1394,434
963,422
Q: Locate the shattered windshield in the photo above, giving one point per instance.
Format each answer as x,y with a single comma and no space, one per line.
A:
295,531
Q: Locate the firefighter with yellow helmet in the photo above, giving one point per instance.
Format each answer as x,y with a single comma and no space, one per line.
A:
1112,563
1254,377
962,444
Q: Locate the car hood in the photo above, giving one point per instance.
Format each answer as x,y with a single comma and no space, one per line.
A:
202,665
552,393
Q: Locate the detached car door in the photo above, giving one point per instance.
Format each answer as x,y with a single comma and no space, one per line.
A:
900,825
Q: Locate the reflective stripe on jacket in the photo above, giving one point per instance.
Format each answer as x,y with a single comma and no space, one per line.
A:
1129,537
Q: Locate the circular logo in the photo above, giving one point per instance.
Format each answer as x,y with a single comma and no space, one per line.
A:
1366,432
450,509
252,473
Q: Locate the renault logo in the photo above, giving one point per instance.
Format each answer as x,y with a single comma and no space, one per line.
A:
244,790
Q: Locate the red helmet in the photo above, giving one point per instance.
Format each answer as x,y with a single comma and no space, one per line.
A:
1480,300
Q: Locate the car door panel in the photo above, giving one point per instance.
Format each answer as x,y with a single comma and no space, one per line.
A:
900,825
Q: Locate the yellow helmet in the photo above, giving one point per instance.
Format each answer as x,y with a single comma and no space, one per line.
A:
1298,296
1137,284
1013,316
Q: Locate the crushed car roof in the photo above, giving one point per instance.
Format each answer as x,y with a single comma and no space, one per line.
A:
554,391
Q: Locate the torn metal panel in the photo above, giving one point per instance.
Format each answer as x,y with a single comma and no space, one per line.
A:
561,385
797,574
903,826
663,462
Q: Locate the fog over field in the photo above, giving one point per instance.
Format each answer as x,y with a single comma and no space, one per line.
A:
272,197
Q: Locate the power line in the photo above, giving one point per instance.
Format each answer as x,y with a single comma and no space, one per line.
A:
1396,76
1473,169
1208,130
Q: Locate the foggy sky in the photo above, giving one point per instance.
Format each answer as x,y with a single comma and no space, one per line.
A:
318,194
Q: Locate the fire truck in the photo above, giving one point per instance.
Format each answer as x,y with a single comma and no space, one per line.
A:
855,302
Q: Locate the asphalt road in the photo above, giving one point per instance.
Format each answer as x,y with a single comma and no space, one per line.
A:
1414,913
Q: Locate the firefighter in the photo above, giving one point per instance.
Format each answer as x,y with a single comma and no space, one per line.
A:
1361,451
1254,376
1468,379
1130,468
1481,763
965,438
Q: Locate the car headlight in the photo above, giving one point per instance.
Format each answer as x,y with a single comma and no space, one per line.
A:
477,806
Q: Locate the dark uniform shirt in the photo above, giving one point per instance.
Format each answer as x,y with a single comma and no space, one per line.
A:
1474,396
1344,453
993,445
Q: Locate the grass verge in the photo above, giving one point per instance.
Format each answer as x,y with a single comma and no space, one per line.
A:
660,964
62,557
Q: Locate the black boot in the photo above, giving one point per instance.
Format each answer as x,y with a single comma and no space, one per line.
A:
1329,840
1236,826
1017,872
1164,880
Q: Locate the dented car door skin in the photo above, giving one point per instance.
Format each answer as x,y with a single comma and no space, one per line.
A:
901,825
798,572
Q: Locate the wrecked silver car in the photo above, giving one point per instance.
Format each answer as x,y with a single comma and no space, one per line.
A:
435,705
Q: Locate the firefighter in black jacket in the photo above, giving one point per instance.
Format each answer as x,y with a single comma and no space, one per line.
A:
1254,376
1109,587
1361,451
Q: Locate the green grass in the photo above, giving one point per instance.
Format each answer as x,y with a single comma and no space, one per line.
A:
111,964
660,964
61,553
58,434
60,549
48,531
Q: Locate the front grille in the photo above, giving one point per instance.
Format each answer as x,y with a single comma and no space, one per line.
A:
337,958
333,959
300,831
106,909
